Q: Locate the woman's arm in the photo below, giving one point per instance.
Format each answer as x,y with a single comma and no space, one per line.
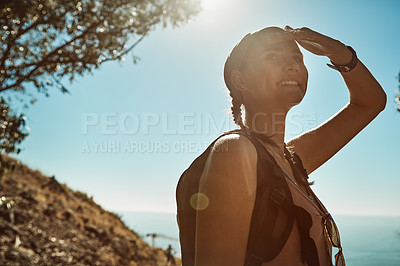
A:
367,100
229,182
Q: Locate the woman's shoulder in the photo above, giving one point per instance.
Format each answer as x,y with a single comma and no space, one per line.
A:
234,144
232,157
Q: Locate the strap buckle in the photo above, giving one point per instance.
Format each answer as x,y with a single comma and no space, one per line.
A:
278,197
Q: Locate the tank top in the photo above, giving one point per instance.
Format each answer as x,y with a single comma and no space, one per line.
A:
291,252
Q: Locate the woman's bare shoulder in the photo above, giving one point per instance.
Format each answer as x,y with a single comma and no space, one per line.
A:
233,157
234,145
229,183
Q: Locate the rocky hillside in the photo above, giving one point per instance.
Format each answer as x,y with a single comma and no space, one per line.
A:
43,222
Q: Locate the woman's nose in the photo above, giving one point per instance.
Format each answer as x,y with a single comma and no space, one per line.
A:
291,65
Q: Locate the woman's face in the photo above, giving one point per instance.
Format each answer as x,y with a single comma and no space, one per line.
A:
275,75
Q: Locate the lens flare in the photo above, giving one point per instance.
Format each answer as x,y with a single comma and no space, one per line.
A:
199,201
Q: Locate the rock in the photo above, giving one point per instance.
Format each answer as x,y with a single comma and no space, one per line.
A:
29,195
23,256
92,229
68,214
50,211
54,186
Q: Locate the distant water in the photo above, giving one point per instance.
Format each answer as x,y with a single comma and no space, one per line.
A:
370,241
366,241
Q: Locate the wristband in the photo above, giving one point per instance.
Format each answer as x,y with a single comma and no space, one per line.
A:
350,66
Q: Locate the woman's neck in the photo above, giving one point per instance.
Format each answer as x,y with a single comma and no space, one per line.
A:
270,124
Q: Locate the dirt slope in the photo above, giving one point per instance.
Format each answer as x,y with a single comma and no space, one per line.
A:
43,222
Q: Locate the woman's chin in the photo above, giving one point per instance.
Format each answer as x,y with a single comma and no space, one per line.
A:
295,100
293,103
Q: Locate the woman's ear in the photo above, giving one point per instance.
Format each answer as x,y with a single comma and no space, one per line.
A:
238,80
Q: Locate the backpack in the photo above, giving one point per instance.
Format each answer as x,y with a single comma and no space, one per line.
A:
273,213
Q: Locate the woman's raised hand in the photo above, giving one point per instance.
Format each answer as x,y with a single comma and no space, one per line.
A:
320,44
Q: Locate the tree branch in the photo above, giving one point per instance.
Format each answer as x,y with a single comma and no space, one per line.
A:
127,50
41,63
14,40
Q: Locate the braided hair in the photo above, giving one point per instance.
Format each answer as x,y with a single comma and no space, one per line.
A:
235,61
236,108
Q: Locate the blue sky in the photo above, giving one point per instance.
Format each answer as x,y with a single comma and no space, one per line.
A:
127,132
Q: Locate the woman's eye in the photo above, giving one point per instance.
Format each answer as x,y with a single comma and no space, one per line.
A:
271,57
298,59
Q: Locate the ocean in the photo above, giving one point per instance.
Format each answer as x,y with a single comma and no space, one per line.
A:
366,240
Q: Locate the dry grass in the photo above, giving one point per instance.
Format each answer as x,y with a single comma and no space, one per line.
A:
62,211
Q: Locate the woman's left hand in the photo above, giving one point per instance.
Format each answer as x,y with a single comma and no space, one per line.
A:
320,44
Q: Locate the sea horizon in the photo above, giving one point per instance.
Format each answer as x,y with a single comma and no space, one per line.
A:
367,240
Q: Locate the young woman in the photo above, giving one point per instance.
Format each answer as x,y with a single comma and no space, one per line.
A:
266,75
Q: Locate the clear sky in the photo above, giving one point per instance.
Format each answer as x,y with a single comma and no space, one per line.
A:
127,132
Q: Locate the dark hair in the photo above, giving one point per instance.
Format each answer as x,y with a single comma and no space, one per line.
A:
236,108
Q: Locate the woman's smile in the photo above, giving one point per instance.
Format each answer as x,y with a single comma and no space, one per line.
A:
289,83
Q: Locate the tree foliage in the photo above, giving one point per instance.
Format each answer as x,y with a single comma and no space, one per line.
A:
47,42
12,133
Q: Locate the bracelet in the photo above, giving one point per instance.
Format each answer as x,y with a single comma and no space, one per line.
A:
350,66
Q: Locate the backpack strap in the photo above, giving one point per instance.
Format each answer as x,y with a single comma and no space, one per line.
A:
309,252
273,214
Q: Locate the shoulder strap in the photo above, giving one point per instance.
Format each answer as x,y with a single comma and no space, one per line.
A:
309,252
273,214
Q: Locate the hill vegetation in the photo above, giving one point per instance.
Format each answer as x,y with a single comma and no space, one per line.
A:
43,222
